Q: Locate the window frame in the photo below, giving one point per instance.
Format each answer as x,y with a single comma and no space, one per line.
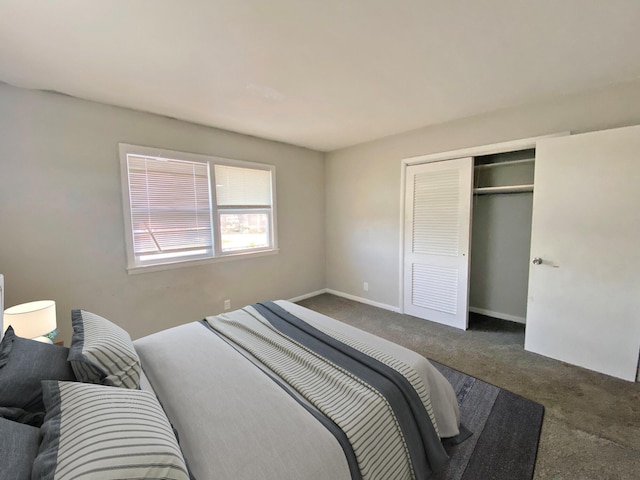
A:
217,254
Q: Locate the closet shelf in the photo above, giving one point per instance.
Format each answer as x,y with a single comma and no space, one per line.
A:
504,164
503,189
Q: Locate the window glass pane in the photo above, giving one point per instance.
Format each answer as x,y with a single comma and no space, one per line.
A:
244,231
237,186
170,208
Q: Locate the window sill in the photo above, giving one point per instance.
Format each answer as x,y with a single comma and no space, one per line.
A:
134,270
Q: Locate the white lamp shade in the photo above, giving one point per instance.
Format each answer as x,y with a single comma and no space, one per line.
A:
33,319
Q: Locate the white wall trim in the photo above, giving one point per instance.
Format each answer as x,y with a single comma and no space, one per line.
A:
493,148
403,180
307,295
490,149
481,311
347,296
364,300
501,316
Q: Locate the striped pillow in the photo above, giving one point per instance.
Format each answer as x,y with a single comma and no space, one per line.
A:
102,352
97,432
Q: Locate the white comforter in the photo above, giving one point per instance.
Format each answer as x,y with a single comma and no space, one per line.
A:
234,422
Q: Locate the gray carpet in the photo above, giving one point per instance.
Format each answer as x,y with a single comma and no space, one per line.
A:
505,426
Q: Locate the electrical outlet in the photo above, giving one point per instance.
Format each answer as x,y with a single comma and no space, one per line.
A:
366,286
227,304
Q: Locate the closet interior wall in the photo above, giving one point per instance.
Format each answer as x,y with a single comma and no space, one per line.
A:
501,234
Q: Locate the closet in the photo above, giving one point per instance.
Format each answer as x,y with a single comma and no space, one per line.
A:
541,230
501,234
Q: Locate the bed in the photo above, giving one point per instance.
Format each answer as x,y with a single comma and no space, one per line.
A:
269,391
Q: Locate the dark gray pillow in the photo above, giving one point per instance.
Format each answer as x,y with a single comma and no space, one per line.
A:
22,416
18,448
24,364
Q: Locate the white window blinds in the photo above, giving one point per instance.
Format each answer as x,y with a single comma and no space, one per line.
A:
242,187
170,204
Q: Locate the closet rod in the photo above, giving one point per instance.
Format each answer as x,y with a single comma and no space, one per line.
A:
503,189
503,164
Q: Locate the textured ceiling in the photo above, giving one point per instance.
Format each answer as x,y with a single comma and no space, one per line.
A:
320,74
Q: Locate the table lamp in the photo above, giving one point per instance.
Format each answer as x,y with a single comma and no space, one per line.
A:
32,320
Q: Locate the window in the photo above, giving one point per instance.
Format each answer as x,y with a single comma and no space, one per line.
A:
181,207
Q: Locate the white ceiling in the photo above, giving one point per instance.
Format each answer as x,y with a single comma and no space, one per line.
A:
323,74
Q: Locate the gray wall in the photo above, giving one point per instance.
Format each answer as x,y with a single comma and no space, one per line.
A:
500,243
62,222
363,182
61,212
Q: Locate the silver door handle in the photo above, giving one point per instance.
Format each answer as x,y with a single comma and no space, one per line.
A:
537,261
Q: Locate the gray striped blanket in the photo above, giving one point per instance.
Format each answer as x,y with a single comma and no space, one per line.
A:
379,404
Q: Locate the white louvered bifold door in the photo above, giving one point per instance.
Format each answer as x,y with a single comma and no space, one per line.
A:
437,233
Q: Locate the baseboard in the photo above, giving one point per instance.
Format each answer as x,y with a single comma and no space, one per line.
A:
501,316
364,300
308,295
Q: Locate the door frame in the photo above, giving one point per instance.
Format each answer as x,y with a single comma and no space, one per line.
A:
502,147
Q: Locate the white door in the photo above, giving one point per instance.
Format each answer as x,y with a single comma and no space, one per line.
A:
584,296
436,235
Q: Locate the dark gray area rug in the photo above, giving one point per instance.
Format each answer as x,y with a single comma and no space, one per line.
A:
505,426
